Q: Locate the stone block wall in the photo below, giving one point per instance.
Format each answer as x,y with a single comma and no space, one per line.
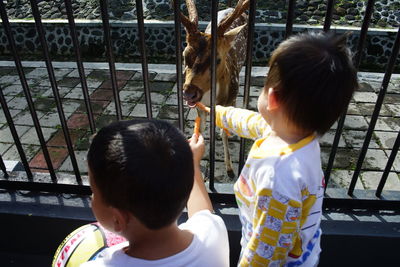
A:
160,41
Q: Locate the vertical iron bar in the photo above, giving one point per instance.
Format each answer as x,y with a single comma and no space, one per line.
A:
249,57
74,36
357,60
178,49
25,87
110,56
52,78
375,114
143,57
328,15
3,167
14,134
214,15
289,19
389,164
364,30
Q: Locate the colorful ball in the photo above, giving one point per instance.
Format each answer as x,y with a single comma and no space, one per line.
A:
84,244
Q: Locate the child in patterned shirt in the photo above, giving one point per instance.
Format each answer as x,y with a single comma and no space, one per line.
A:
280,189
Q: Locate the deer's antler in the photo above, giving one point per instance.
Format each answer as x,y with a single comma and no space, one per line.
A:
191,23
241,6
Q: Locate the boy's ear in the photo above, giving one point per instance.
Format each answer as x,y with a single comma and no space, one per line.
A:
273,102
120,220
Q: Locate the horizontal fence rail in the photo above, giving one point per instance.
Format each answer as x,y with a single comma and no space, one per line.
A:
54,185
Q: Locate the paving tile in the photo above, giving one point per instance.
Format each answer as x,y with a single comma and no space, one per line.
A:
355,122
342,179
375,160
71,106
44,104
62,92
8,79
392,98
156,98
366,87
327,139
6,136
60,73
365,97
387,124
31,137
165,77
99,75
29,150
108,84
68,82
139,76
4,147
91,83
17,103
394,109
59,140
77,93
38,73
353,109
81,160
162,86
13,112
130,96
102,94
75,73
168,112
57,156
124,74
140,111
25,117
97,106
355,139
12,90
396,162
386,139
126,108
345,158
371,179
78,121
53,119
368,109
133,86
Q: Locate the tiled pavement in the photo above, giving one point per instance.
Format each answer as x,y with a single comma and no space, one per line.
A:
164,100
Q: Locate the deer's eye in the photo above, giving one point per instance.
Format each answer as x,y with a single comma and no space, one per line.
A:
218,61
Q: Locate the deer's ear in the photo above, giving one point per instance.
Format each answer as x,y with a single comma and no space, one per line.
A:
230,35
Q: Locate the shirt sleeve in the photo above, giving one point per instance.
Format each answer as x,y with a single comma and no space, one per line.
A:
242,122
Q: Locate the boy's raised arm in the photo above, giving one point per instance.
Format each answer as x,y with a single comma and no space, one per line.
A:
198,199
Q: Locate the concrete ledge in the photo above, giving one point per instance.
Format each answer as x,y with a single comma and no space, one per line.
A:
37,223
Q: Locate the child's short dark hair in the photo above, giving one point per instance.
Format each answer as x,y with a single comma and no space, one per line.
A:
314,77
145,167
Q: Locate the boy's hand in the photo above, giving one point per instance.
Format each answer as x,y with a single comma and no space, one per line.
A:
197,145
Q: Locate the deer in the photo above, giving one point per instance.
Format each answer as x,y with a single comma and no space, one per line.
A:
231,53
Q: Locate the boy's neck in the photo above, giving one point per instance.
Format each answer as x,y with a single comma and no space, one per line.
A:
158,244
287,132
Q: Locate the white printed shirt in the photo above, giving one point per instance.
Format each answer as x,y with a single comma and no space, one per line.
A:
279,194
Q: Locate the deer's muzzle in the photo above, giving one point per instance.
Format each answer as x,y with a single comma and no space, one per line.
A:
192,94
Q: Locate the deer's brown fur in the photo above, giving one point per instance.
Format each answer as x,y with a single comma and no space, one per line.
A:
231,52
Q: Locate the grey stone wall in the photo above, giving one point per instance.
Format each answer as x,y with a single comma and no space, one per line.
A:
160,42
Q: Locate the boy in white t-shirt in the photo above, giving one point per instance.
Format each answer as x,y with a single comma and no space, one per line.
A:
141,175
280,189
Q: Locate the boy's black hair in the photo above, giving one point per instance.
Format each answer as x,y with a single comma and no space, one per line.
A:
314,77
145,167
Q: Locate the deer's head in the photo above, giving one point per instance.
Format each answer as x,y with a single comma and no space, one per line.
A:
197,54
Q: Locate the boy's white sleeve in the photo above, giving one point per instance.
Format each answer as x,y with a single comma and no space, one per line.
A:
242,122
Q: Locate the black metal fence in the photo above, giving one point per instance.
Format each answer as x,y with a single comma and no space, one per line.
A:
379,201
